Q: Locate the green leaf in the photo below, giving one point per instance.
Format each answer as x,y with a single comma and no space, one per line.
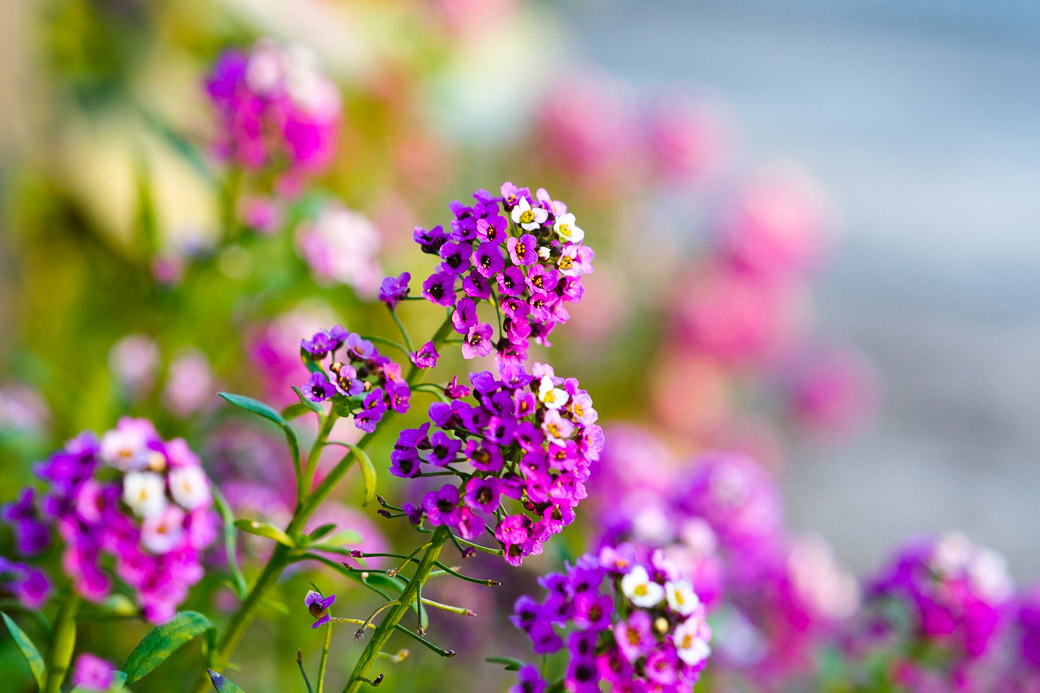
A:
321,532
230,541
337,540
265,529
294,411
368,472
308,360
256,407
162,641
222,684
260,409
510,663
29,651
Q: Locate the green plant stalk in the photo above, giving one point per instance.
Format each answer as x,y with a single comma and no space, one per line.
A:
62,645
398,611
324,658
282,556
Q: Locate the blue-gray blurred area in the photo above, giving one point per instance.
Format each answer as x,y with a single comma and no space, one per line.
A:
921,118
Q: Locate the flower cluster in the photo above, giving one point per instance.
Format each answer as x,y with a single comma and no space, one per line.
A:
957,593
636,626
528,437
366,381
25,583
521,252
132,496
275,109
91,673
340,246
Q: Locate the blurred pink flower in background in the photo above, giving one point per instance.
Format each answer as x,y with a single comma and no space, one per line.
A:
831,391
274,349
776,227
23,408
134,361
341,246
190,384
262,214
687,138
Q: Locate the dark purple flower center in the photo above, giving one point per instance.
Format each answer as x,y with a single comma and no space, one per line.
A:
484,495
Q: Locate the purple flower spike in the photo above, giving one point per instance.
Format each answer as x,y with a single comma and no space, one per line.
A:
426,357
319,388
393,290
478,341
523,250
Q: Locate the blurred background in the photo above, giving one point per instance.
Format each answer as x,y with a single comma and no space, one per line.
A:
880,362
920,119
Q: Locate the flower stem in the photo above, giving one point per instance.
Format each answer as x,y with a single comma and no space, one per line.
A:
324,657
283,556
393,617
62,644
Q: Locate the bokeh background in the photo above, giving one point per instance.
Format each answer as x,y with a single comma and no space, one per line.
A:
915,121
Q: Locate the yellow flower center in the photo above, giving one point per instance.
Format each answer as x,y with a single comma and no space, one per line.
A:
566,261
527,216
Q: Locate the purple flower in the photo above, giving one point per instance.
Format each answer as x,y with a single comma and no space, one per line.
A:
323,342
32,535
465,315
523,250
439,288
483,494
442,506
511,281
477,342
345,380
359,349
528,681
426,357
394,290
93,673
399,394
492,230
443,449
319,388
455,256
318,607
430,241
487,259
456,391
476,286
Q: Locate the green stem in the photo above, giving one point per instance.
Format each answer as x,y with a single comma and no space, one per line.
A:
324,657
282,556
401,327
62,645
312,458
398,612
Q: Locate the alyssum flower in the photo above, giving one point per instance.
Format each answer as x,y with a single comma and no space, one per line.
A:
527,437
634,626
522,253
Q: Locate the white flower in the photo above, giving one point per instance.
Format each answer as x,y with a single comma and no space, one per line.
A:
189,487
163,532
640,590
526,217
126,448
681,597
550,395
691,640
568,230
265,70
145,493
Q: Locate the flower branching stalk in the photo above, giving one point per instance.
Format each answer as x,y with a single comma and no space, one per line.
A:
410,596
283,555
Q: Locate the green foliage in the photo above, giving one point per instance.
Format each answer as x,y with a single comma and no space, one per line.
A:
162,641
510,663
222,684
265,529
29,651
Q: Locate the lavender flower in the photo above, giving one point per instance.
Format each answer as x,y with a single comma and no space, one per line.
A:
318,607
394,290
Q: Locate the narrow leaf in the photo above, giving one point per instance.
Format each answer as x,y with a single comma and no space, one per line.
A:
294,411
510,663
322,531
230,541
29,651
222,684
260,409
265,529
162,641
368,472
